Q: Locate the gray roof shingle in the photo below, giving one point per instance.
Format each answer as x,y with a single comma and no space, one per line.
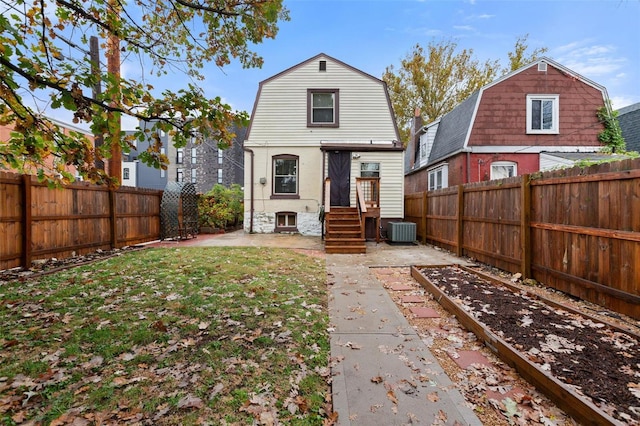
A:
629,119
453,128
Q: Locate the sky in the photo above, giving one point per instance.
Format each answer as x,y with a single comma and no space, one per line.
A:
599,39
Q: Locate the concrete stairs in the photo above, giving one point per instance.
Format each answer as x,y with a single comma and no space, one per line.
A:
343,233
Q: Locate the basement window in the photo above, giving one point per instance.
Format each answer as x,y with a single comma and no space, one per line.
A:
286,222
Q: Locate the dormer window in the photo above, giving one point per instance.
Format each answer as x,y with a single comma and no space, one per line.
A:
323,65
322,108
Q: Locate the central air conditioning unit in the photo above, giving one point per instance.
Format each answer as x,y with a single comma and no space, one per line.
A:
401,232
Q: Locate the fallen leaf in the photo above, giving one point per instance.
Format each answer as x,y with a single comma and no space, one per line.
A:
433,397
190,401
376,379
392,396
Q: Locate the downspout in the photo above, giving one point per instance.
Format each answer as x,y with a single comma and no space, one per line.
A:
251,207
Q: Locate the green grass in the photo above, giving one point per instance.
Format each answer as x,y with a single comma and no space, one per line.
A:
168,336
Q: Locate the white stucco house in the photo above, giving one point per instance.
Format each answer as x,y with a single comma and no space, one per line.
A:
317,121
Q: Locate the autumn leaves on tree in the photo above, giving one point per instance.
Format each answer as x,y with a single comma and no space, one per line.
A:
437,78
45,54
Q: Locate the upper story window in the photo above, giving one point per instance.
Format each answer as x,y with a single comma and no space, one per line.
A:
219,156
323,108
194,175
370,170
503,169
543,114
194,155
179,175
125,173
285,176
180,156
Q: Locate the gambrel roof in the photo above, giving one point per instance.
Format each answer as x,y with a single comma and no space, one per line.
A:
454,128
322,56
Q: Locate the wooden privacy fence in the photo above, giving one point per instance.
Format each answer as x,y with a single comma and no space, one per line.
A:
576,230
38,222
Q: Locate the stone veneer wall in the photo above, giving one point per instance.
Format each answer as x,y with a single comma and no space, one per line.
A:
265,223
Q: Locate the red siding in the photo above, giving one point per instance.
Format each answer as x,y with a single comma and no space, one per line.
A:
480,167
501,116
457,169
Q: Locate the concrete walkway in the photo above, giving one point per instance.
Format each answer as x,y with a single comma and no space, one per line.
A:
383,374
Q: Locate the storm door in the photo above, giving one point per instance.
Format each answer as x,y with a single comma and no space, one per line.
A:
340,175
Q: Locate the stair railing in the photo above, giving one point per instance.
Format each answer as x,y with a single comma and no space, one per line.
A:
371,190
327,195
362,206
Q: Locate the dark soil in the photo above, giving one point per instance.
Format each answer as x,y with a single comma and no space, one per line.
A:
596,360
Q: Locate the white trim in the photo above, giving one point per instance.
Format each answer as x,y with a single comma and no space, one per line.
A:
556,65
527,149
555,119
503,164
443,168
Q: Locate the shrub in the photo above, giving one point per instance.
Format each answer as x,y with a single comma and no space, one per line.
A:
221,207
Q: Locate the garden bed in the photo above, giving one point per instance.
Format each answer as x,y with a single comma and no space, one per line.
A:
589,368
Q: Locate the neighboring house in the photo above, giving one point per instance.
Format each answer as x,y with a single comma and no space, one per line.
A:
507,128
5,135
316,120
202,164
629,119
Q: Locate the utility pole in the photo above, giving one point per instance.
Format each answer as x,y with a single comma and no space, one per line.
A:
113,67
94,54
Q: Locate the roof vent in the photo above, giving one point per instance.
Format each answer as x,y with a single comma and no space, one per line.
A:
542,66
323,65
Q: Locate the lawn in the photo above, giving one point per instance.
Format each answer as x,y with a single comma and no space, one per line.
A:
169,336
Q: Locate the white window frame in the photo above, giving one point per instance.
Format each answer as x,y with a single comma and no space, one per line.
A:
220,176
423,147
194,175
125,173
219,156
179,175
438,177
180,156
555,114
498,166
194,155
366,172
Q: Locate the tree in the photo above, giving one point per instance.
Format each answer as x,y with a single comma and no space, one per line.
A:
518,58
44,51
434,81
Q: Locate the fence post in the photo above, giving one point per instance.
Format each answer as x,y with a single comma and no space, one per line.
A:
525,226
425,211
459,222
27,222
113,219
